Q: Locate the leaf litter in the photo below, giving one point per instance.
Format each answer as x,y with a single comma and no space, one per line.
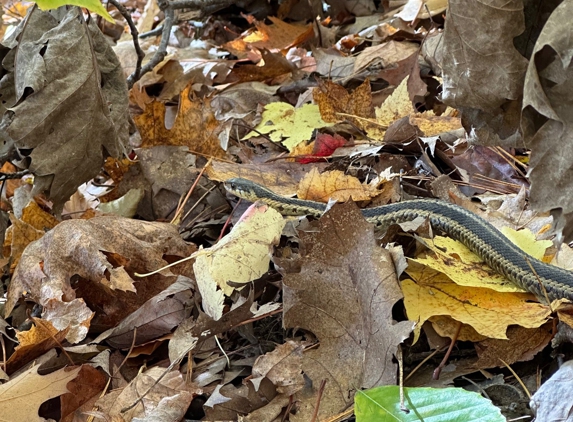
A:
277,318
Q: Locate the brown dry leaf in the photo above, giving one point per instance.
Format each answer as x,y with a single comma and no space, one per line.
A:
547,123
117,168
169,398
337,105
155,318
274,66
204,327
522,345
228,402
20,398
302,150
68,126
334,64
117,247
334,185
472,57
447,327
385,55
344,294
276,37
85,388
283,366
34,343
490,111
194,127
281,178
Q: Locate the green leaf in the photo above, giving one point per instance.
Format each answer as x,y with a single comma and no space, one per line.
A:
93,5
382,404
289,125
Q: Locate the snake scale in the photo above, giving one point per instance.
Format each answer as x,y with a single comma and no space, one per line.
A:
473,231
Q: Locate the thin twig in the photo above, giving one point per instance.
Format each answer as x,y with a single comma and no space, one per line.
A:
152,33
3,353
427,358
442,364
128,353
318,399
134,77
211,189
400,358
179,210
517,378
228,220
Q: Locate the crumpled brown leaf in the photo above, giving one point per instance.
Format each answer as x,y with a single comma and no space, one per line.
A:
79,104
103,252
168,400
473,59
344,294
547,122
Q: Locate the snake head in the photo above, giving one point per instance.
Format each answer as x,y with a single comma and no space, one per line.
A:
242,188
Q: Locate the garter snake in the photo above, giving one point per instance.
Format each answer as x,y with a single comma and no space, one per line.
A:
473,231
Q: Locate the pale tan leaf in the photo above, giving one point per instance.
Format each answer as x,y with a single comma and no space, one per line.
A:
21,397
241,256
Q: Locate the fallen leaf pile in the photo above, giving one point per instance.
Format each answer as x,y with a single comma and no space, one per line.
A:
137,289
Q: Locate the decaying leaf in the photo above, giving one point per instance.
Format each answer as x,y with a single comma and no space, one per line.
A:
337,105
194,127
67,122
116,248
168,398
344,294
547,123
283,366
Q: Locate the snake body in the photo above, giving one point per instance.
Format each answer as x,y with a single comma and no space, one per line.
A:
473,231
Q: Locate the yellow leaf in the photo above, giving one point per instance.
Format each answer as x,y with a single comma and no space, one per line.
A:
92,5
396,106
487,311
461,265
527,242
240,257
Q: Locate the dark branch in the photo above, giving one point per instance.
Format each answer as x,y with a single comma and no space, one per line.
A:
152,33
16,175
134,77
162,49
200,4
